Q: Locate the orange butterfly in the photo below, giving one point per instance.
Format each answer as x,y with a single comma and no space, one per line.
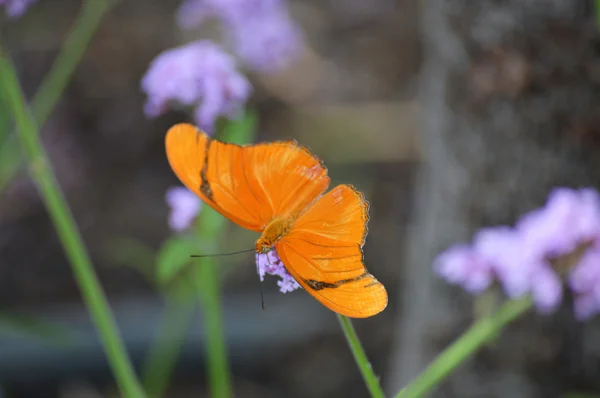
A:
277,189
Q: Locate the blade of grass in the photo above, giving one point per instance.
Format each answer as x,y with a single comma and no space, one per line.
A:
64,223
5,122
371,380
55,82
473,339
209,292
210,226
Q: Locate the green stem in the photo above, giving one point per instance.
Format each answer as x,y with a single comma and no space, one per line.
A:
162,358
210,226
206,273
371,380
478,335
56,80
41,171
210,295
69,56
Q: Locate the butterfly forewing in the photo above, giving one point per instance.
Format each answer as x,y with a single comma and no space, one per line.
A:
251,184
288,175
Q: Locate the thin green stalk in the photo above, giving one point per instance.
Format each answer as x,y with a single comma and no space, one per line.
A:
371,380
210,226
69,56
162,358
55,82
478,335
41,171
206,274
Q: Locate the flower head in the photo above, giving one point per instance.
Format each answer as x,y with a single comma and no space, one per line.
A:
525,259
16,8
198,74
568,218
499,247
270,263
261,31
267,46
463,266
185,206
584,281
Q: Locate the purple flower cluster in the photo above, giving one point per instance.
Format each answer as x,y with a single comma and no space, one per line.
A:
261,31
185,206
556,244
270,263
199,75
16,8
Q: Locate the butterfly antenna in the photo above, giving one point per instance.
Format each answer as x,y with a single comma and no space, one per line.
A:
221,254
262,298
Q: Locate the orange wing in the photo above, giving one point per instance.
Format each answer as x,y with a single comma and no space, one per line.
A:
251,184
323,253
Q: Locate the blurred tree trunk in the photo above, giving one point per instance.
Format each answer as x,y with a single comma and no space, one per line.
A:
511,108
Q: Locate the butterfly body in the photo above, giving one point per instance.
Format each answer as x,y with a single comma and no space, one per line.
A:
272,233
278,189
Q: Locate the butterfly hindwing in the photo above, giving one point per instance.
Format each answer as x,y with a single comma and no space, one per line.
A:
250,184
323,252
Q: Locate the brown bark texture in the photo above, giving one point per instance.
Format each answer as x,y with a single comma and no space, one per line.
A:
511,108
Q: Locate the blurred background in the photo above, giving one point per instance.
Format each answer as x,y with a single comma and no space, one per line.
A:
449,115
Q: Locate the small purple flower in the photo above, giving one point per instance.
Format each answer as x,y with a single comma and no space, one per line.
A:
520,258
16,8
198,74
546,288
261,31
185,206
270,263
268,46
568,218
500,247
584,281
461,265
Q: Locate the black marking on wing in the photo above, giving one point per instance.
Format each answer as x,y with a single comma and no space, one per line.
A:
320,285
205,185
375,282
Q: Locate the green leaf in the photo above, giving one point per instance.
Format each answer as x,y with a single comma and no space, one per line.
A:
10,151
182,289
133,253
173,256
5,120
10,160
240,131
163,354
